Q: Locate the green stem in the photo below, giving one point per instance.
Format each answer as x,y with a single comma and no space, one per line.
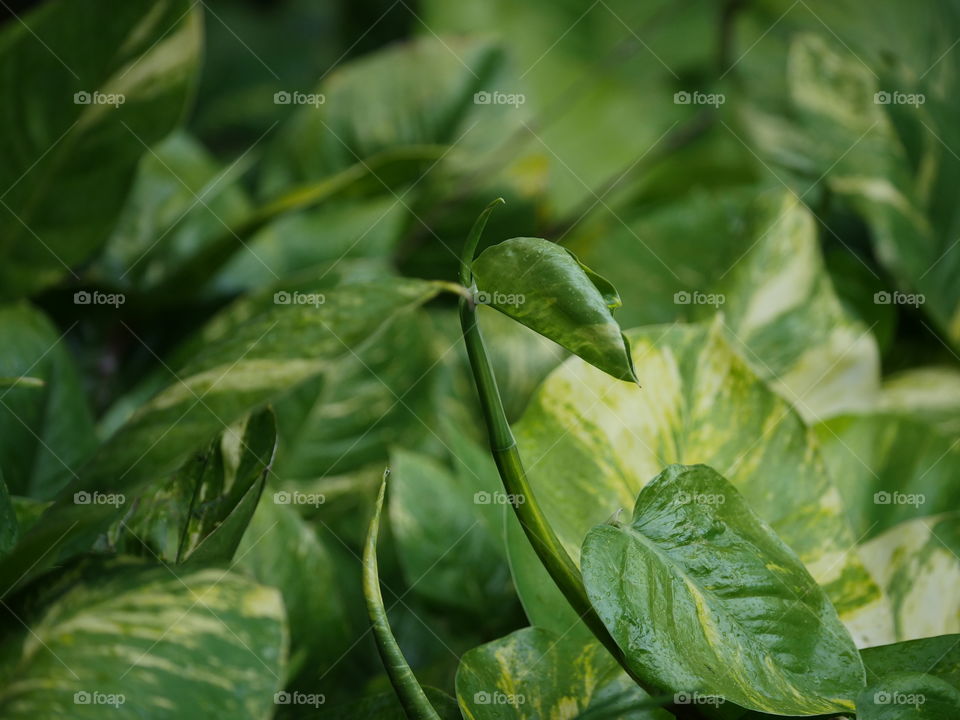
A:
503,446
415,704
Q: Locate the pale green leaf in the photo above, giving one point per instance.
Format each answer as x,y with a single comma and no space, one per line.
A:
917,563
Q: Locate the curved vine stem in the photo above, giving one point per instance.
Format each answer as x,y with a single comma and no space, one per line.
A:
503,446
415,704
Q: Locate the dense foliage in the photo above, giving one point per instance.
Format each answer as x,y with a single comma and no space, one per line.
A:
487,360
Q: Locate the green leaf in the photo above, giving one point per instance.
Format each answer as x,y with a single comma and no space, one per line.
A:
378,397
446,548
700,403
544,286
785,318
535,673
889,468
917,563
938,656
411,695
221,528
46,432
160,645
253,362
908,696
180,201
408,97
931,393
890,162
68,164
280,550
702,595
9,527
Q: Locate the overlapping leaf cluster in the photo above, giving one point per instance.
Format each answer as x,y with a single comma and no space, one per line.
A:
743,432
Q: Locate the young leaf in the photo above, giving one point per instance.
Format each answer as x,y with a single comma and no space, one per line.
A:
544,286
150,644
702,595
536,673
414,700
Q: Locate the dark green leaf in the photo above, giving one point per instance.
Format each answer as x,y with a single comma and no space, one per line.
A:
88,89
908,696
46,432
544,286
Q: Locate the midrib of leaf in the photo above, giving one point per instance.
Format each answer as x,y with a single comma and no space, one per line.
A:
703,590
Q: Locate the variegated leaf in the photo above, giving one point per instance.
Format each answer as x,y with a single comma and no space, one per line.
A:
917,563
590,444
889,468
702,596
142,642
784,316
249,360
537,674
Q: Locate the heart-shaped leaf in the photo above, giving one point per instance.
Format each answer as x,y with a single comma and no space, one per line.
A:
544,286
701,403
703,596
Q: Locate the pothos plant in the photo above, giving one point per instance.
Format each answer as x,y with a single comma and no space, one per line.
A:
719,594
